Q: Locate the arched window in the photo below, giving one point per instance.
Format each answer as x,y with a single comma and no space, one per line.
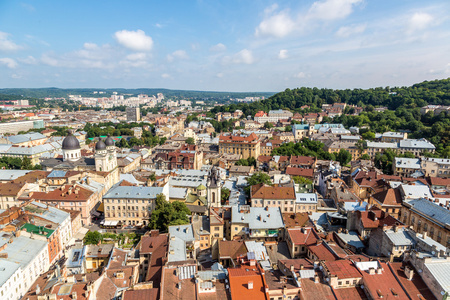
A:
213,197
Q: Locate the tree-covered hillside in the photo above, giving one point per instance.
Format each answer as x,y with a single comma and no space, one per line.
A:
418,95
403,105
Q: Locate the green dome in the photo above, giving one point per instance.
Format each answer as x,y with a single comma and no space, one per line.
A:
201,187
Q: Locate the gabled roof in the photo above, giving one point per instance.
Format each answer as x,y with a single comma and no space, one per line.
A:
303,236
293,171
261,191
390,197
240,278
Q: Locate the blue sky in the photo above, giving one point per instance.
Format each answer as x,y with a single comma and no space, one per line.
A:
234,45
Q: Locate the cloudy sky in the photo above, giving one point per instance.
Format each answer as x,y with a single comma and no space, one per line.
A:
229,45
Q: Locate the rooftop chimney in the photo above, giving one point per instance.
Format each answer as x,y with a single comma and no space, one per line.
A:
250,285
372,271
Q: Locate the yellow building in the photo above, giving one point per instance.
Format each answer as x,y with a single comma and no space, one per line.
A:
336,146
245,145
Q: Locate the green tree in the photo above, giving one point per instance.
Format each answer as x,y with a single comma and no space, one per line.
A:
344,157
167,214
365,156
257,178
288,128
268,125
224,195
301,180
369,135
26,164
92,238
190,141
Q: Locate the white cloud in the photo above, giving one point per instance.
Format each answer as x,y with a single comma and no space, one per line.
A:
179,54
48,60
159,25
134,40
300,75
165,76
6,44
419,21
346,31
278,25
136,56
329,10
219,75
16,76
90,46
218,48
30,60
244,56
8,62
283,54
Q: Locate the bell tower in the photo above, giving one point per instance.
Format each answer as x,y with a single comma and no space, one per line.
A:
214,189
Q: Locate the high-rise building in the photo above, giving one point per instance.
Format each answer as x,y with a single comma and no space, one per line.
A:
133,114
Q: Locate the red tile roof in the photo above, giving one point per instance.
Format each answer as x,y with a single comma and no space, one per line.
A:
322,252
302,160
351,293
303,236
293,171
414,287
261,191
343,269
439,181
147,294
391,197
241,277
237,138
384,285
65,193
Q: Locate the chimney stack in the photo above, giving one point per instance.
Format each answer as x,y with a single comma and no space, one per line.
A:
250,285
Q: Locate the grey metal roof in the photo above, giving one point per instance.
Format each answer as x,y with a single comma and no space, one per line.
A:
133,192
431,210
418,144
22,138
305,198
258,249
8,268
409,163
381,145
400,238
24,249
57,174
52,214
177,193
351,238
12,174
258,217
210,274
440,271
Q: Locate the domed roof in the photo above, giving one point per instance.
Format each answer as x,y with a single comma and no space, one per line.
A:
70,142
109,141
201,187
100,145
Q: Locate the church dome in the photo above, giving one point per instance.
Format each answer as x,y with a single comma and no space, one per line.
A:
100,145
70,143
109,141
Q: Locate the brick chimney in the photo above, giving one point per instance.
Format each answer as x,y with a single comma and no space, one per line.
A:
250,285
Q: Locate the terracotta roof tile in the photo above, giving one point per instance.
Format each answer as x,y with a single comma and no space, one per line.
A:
293,171
261,191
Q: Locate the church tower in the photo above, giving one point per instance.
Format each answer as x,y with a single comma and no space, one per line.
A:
214,189
105,155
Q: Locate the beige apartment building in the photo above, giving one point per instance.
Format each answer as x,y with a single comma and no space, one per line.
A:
245,145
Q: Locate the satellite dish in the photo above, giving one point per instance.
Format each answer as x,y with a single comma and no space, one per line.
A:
328,279
420,271
362,286
432,252
442,293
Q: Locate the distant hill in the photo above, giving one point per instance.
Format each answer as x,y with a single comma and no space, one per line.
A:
58,93
418,95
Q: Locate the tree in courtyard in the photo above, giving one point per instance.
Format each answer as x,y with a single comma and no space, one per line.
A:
92,238
344,157
190,141
224,195
167,214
